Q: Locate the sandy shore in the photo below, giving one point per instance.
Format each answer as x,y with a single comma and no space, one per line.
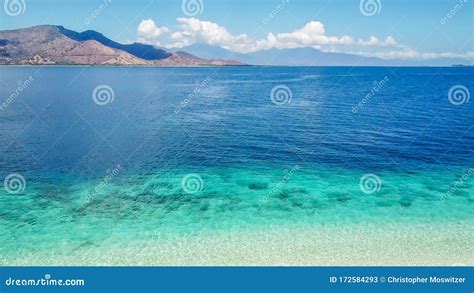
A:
395,244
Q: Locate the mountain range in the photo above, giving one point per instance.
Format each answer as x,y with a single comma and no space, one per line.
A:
48,44
284,57
309,56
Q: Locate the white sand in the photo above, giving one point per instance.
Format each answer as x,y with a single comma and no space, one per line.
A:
395,244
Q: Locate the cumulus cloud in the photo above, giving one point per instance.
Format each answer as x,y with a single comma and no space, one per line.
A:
193,30
313,34
148,32
373,41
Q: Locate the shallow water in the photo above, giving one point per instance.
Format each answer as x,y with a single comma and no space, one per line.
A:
193,152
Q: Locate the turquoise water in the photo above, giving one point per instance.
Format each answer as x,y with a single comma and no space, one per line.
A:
165,160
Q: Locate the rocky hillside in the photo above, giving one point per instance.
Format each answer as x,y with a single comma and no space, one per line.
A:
47,44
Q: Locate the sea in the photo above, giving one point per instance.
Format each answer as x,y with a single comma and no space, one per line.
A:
104,165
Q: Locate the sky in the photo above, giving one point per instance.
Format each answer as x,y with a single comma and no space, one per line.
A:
407,29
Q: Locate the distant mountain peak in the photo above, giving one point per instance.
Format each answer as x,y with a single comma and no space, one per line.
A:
146,52
50,44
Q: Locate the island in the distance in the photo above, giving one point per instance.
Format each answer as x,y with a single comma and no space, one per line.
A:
56,45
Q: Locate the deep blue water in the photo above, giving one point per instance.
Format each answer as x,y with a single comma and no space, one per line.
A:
54,125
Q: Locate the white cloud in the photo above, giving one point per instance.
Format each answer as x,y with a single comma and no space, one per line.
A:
148,32
373,41
313,34
192,30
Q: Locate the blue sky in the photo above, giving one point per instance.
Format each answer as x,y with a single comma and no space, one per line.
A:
416,27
